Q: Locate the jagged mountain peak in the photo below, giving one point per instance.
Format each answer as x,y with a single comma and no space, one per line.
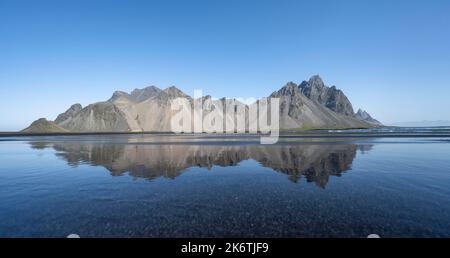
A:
314,84
172,88
139,95
174,92
151,88
73,110
362,113
76,106
290,84
119,94
330,97
364,116
289,89
316,81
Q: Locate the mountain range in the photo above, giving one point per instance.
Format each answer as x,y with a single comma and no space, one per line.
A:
308,105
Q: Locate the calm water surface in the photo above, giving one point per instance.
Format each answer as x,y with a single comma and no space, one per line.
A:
186,186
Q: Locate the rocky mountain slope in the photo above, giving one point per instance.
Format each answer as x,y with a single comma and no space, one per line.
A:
311,104
329,97
297,111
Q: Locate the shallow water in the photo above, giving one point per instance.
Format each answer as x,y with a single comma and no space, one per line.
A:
188,186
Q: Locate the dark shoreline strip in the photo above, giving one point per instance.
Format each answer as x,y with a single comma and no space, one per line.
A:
292,135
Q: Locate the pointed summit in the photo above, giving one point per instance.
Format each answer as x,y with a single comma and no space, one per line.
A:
119,95
289,89
316,81
330,97
72,111
139,95
314,87
174,92
366,117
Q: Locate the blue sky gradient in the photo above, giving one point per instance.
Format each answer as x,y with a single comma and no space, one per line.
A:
391,58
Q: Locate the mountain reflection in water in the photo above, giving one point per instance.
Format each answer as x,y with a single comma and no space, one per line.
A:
316,162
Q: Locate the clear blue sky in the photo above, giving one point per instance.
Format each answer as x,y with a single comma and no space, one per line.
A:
391,58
